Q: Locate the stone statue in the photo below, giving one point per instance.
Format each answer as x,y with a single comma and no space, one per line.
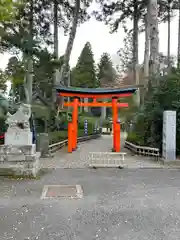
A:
20,120
4,102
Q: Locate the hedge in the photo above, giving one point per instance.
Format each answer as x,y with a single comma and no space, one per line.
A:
61,135
135,139
58,136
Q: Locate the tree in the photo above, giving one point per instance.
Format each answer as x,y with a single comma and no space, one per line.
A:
70,43
17,37
128,114
131,9
15,73
166,63
8,9
84,74
56,50
154,37
3,80
149,124
146,52
106,72
68,15
118,12
178,52
43,72
26,34
126,53
169,7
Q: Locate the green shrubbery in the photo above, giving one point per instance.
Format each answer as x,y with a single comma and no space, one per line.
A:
106,123
149,121
135,139
57,136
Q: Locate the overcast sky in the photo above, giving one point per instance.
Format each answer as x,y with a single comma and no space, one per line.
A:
102,41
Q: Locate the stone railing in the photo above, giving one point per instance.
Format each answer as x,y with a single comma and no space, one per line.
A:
56,146
142,150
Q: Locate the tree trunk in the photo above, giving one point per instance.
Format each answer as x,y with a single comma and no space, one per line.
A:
146,58
138,93
169,34
56,51
135,38
70,43
146,50
178,54
28,80
154,37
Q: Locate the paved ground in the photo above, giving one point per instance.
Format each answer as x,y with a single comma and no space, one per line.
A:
117,204
137,204
80,158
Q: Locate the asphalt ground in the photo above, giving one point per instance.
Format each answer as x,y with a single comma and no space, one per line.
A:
117,204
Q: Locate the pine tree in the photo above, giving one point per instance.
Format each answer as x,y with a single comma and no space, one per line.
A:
106,72
84,74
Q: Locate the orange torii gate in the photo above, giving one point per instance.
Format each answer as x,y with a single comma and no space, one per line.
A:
95,94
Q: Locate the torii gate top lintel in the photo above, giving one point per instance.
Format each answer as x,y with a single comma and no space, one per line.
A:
95,92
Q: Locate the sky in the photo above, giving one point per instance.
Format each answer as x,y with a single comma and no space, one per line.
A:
97,33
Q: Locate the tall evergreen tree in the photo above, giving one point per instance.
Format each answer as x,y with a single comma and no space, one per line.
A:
106,72
84,74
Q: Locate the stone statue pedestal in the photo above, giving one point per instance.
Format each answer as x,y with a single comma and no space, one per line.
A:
18,155
18,138
19,161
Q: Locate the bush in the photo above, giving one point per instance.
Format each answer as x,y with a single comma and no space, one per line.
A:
135,139
91,122
58,136
81,123
61,135
149,123
106,123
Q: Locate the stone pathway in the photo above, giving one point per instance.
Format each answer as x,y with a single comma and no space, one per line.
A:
80,158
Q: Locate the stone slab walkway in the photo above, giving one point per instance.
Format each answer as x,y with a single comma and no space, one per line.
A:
80,158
